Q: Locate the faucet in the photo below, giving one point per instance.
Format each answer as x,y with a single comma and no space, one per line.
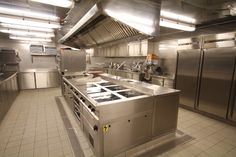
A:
120,65
3,67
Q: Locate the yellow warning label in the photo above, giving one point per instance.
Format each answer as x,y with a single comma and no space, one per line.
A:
105,128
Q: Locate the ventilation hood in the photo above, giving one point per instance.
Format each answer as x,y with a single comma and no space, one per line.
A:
113,20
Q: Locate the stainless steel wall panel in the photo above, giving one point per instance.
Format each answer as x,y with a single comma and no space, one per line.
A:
217,74
164,105
73,60
187,76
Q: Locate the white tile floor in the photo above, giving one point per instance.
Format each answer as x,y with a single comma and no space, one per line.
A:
33,128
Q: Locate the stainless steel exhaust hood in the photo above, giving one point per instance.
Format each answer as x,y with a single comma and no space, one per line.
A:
112,20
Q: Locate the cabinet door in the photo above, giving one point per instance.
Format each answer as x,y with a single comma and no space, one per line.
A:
27,80
53,79
41,79
133,131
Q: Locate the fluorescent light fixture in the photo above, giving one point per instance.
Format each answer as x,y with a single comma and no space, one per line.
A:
178,17
30,39
177,25
27,33
28,22
26,27
59,3
27,13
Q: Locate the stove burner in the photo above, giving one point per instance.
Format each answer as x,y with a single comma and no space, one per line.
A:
91,85
95,90
107,84
104,98
116,88
129,94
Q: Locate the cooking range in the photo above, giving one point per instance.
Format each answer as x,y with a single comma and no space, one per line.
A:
108,110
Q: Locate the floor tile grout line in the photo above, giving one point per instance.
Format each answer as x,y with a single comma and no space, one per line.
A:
77,150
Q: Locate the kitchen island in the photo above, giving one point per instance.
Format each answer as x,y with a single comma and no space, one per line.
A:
117,114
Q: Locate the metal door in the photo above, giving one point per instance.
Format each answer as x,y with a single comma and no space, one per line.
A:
217,73
187,76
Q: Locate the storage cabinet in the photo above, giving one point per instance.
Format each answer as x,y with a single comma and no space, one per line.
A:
142,126
46,79
27,80
39,79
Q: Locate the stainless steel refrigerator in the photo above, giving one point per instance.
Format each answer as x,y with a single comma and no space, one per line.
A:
187,76
216,80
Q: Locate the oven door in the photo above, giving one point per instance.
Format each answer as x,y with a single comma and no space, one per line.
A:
91,131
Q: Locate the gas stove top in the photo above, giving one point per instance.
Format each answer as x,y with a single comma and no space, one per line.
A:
106,84
95,90
104,97
116,88
129,94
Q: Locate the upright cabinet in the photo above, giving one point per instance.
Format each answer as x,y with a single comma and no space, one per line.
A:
187,76
216,80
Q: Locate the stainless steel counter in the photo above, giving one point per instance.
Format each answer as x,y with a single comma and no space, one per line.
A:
6,76
8,92
164,80
147,88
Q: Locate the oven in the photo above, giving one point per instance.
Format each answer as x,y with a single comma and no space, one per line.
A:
90,125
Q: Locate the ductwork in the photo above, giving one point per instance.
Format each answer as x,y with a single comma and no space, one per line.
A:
112,20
